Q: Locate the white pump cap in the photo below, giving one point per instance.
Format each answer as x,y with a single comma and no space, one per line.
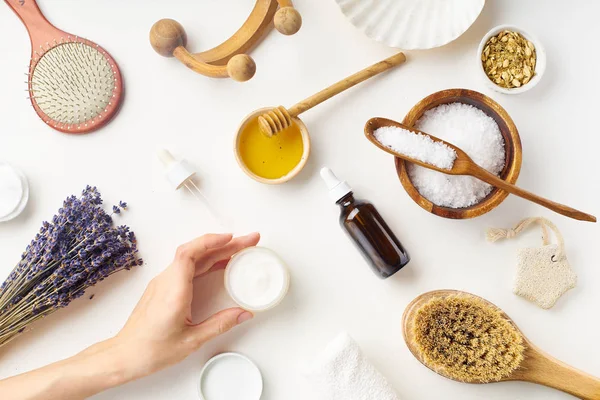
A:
337,188
178,172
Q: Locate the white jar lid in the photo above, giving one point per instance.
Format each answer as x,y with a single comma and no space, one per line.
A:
230,376
14,192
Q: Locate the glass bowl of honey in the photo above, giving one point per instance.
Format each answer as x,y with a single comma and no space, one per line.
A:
271,160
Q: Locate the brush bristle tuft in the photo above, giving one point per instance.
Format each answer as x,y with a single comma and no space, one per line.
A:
464,338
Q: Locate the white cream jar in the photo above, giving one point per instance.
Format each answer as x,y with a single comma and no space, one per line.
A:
257,279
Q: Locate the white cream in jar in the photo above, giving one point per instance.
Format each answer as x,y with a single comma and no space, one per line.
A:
257,279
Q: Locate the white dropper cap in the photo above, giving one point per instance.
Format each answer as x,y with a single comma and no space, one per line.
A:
178,172
337,188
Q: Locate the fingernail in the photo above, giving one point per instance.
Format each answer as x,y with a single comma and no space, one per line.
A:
245,316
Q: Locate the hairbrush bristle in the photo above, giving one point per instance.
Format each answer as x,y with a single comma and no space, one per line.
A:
72,83
464,338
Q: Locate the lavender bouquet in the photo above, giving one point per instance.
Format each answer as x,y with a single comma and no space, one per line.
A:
78,249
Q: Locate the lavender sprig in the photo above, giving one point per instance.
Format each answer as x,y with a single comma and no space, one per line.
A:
78,248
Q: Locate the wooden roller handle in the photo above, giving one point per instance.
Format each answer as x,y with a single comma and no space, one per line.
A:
250,33
492,179
347,83
193,63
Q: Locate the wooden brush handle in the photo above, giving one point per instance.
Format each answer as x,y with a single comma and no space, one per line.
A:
347,83
492,179
40,30
545,370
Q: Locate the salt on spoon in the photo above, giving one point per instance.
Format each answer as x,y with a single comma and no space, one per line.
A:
416,145
464,165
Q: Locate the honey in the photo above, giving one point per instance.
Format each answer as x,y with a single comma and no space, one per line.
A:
270,157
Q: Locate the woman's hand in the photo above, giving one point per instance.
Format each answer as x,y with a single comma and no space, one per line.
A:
160,331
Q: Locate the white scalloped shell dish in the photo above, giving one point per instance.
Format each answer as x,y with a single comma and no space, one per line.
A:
412,24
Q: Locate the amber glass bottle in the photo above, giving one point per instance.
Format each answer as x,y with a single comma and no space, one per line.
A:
363,223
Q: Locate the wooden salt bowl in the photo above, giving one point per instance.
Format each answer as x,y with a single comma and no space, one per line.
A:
512,146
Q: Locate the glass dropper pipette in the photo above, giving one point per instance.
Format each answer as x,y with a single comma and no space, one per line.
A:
181,175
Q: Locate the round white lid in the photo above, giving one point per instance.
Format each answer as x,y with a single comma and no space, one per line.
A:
230,376
14,192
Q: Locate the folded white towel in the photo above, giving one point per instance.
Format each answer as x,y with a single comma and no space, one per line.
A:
342,372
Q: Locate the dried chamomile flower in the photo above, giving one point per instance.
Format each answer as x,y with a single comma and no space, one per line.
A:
509,59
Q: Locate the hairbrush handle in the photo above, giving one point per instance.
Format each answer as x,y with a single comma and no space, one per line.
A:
41,31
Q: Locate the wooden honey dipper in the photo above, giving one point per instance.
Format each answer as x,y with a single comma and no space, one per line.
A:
280,118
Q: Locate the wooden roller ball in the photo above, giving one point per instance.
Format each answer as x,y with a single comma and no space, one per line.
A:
228,60
287,20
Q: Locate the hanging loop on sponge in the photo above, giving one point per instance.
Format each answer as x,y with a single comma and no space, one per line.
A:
495,234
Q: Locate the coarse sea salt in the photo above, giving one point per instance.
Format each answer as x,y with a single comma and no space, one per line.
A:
471,130
416,145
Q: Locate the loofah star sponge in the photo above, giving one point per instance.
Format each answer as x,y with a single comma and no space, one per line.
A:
543,275
464,338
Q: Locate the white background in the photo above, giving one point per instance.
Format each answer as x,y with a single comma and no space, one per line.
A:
332,287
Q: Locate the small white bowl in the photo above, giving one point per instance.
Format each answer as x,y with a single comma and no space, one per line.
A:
540,64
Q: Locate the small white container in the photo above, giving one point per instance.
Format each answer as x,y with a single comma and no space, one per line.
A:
540,64
257,279
14,192
230,376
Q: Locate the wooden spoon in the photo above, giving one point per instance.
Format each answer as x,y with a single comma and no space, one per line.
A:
536,367
464,165
280,118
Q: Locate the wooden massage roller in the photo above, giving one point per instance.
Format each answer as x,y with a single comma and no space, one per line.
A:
168,39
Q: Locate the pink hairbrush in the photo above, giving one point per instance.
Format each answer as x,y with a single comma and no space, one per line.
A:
74,85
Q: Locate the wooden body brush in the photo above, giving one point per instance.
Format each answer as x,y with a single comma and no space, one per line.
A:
464,165
535,365
74,85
